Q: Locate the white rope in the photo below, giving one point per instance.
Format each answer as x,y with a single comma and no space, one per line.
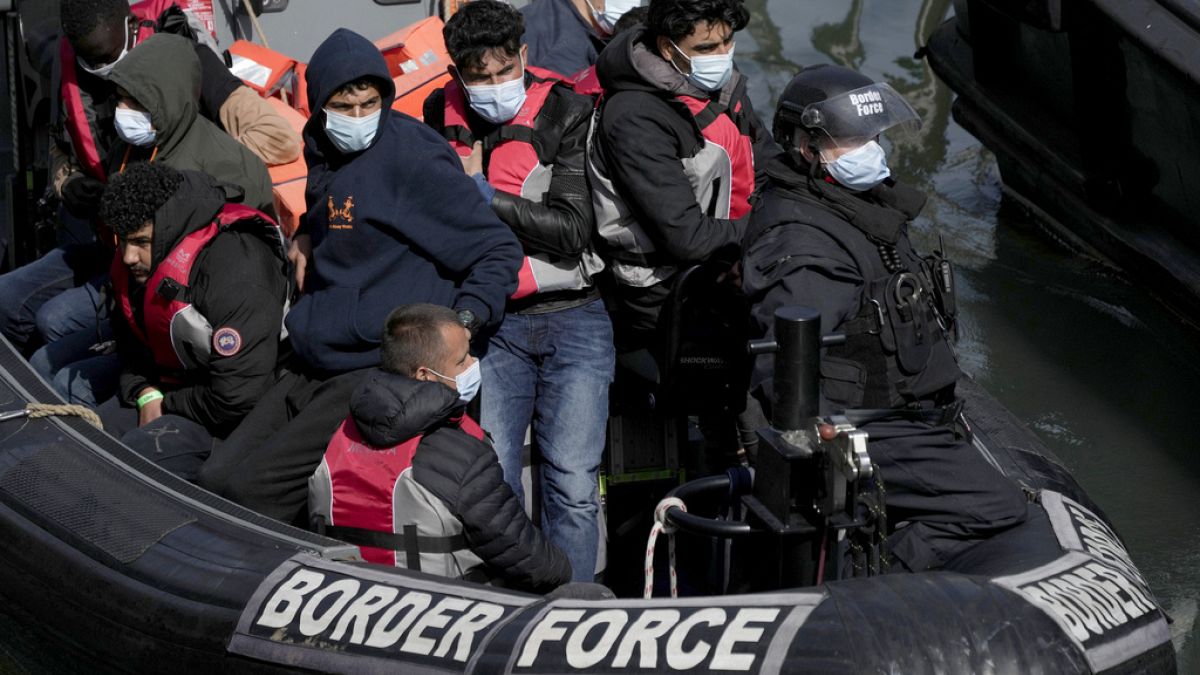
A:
663,525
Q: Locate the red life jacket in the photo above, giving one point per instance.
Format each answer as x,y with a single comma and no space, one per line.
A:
587,82
175,331
721,173
83,136
364,495
514,167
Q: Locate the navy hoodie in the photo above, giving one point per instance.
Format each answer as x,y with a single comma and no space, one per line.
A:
394,224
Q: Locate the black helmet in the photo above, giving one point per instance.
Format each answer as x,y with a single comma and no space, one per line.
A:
837,103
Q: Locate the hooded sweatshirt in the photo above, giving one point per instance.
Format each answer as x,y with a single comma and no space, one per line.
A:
461,471
163,75
396,223
238,283
645,133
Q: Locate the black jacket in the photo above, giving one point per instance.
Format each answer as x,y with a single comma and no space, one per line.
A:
562,223
238,281
643,135
396,223
463,472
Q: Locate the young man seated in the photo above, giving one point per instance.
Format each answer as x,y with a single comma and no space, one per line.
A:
200,285
413,480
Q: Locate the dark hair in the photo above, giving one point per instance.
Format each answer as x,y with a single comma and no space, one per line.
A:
630,19
361,84
81,17
677,19
131,198
412,337
481,27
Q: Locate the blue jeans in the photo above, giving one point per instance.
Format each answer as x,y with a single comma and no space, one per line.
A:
25,290
553,370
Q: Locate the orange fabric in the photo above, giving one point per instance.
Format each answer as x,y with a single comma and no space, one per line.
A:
260,68
417,60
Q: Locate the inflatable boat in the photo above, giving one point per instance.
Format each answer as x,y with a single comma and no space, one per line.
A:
134,566
1091,109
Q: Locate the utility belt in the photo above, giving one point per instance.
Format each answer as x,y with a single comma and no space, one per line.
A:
948,415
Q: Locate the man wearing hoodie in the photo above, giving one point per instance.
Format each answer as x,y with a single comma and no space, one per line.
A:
200,285
392,219
675,154
157,120
412,479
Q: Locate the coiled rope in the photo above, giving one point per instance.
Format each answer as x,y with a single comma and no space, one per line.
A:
664,526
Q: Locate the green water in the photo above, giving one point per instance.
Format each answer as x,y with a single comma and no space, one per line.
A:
1092,363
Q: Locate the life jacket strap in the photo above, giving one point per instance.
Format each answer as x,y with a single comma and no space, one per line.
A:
409,542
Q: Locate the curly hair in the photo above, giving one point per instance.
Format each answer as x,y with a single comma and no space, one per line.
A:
676,19
132,198
481,27
81,17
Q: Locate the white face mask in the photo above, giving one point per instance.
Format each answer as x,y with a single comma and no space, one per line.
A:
103,71
498,103
349,133
709,73
860,169
612,13
466,382
134,127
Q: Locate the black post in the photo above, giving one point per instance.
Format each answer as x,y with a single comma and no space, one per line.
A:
797,367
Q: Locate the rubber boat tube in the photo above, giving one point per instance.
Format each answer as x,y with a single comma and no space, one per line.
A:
141,569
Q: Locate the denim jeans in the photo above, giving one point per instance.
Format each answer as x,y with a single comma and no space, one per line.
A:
25,290
553,371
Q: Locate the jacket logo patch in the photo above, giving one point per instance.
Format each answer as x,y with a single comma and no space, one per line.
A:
343,218
227,341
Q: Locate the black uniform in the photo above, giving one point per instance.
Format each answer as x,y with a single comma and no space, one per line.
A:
811,242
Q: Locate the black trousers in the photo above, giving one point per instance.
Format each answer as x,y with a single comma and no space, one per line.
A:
265,463
942,495
175,443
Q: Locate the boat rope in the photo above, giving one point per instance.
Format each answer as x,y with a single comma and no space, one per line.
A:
662,525
38,410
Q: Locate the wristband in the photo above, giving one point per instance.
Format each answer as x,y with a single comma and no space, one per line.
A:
151,397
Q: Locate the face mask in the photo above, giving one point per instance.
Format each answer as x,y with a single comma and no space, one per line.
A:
466,382
134,127
709,73
498,103
104,70
860,169
351,134
613,11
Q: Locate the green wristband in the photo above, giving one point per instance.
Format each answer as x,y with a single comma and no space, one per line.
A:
155,395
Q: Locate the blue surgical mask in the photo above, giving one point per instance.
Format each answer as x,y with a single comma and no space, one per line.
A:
466,382
711,72
860,169
134,126
612,13
104,70
498,103
351,134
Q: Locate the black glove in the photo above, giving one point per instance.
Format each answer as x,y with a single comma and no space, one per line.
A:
81,195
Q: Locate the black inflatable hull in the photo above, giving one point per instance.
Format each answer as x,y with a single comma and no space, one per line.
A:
1092,109
145,572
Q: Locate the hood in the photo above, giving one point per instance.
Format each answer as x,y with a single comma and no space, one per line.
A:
193,206
627,64
163,74
390,409
343,57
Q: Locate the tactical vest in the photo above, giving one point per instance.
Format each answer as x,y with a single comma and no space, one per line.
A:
722,176
80,118
180,338
368,496
520,161
897,352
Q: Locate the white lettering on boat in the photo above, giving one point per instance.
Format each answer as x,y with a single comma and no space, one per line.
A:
1091,599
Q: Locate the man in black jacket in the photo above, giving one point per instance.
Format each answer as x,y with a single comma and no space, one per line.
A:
413,480
200,286
675,154
831,232
551,361
391,220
